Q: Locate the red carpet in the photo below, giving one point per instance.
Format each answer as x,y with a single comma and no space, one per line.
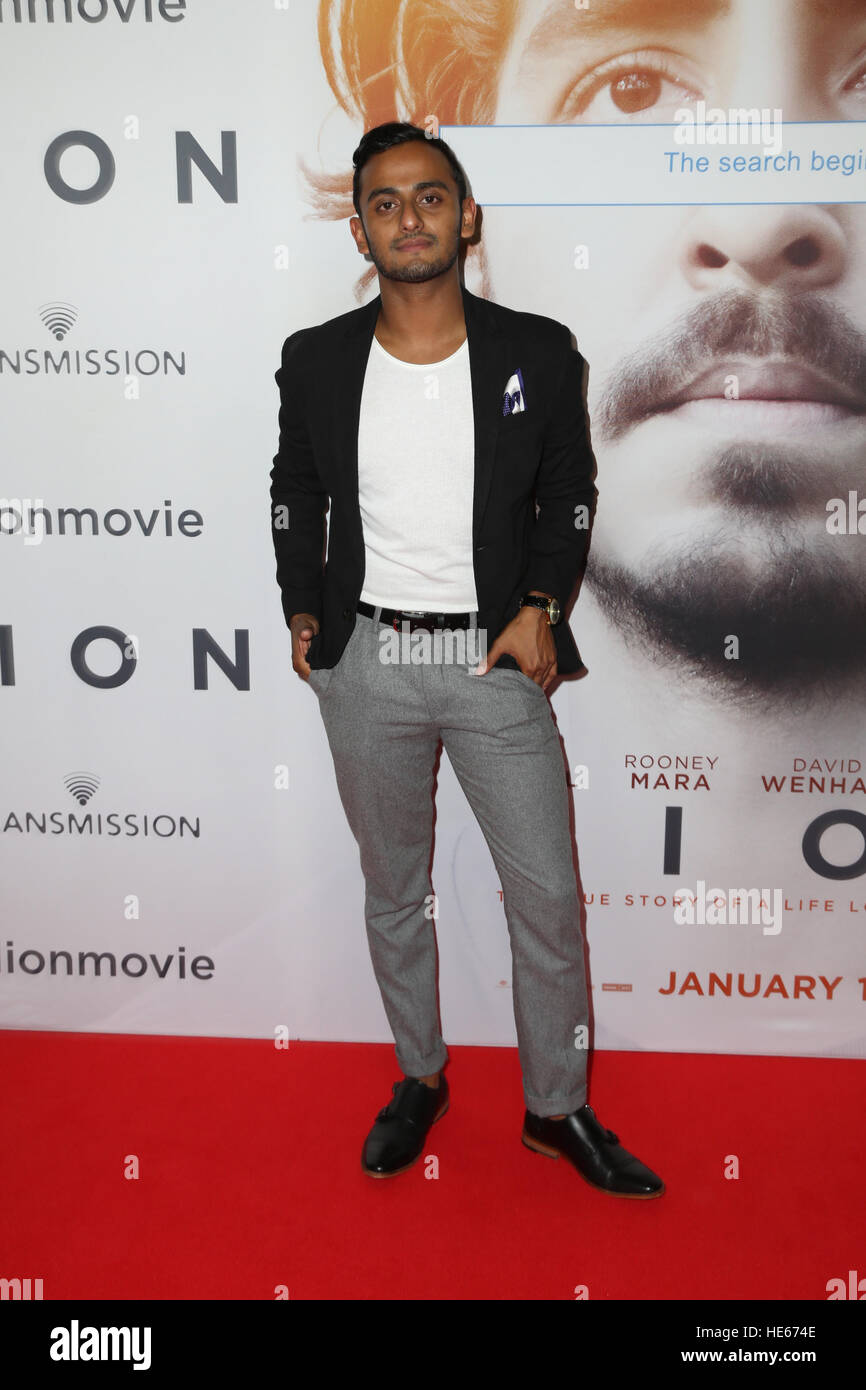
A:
250,1177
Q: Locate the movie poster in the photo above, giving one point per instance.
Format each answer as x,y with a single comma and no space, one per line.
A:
683,187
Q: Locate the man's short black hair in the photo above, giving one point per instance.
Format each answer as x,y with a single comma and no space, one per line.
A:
385,137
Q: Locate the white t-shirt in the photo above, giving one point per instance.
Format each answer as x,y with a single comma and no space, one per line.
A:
416,472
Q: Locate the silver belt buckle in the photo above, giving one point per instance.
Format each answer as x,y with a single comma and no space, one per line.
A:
414,614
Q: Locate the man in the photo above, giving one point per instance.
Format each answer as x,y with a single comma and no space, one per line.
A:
450,438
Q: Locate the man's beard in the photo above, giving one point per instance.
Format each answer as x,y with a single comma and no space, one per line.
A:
798,617
417,271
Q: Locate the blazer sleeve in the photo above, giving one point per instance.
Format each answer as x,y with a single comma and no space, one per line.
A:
564,490
298,500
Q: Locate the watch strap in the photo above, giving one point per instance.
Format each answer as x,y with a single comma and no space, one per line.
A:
535,601
539,601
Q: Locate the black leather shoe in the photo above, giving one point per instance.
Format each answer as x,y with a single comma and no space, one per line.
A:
595,1152
396,1140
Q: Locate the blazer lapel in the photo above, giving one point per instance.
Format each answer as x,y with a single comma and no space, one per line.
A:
349,368
489,371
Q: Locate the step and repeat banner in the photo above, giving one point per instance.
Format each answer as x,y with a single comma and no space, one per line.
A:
685,188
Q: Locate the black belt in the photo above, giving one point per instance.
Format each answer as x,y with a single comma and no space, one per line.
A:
426,622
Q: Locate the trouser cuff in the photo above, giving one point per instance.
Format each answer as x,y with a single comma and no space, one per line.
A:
545,1107
423,1066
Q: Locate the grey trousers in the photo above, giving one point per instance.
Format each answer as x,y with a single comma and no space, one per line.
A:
384,719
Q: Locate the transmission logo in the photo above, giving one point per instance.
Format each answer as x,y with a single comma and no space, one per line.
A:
58,318
85,821
82,786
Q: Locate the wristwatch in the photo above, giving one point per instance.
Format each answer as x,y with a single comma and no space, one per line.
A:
547,605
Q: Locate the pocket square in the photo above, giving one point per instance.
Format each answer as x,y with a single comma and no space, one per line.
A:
515,397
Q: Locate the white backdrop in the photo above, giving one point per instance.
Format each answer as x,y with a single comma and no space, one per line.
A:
242,860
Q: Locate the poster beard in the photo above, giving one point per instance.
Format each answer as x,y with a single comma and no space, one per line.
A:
795,613
752,592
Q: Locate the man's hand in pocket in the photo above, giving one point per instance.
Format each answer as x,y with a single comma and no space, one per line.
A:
303,628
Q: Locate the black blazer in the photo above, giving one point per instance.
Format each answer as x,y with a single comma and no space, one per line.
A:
533,470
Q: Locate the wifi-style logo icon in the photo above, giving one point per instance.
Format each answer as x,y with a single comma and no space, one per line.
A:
82,786
58,318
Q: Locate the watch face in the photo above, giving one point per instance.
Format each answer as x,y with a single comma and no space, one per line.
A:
553,612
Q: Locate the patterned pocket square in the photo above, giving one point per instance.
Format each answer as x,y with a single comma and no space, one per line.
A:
515,397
